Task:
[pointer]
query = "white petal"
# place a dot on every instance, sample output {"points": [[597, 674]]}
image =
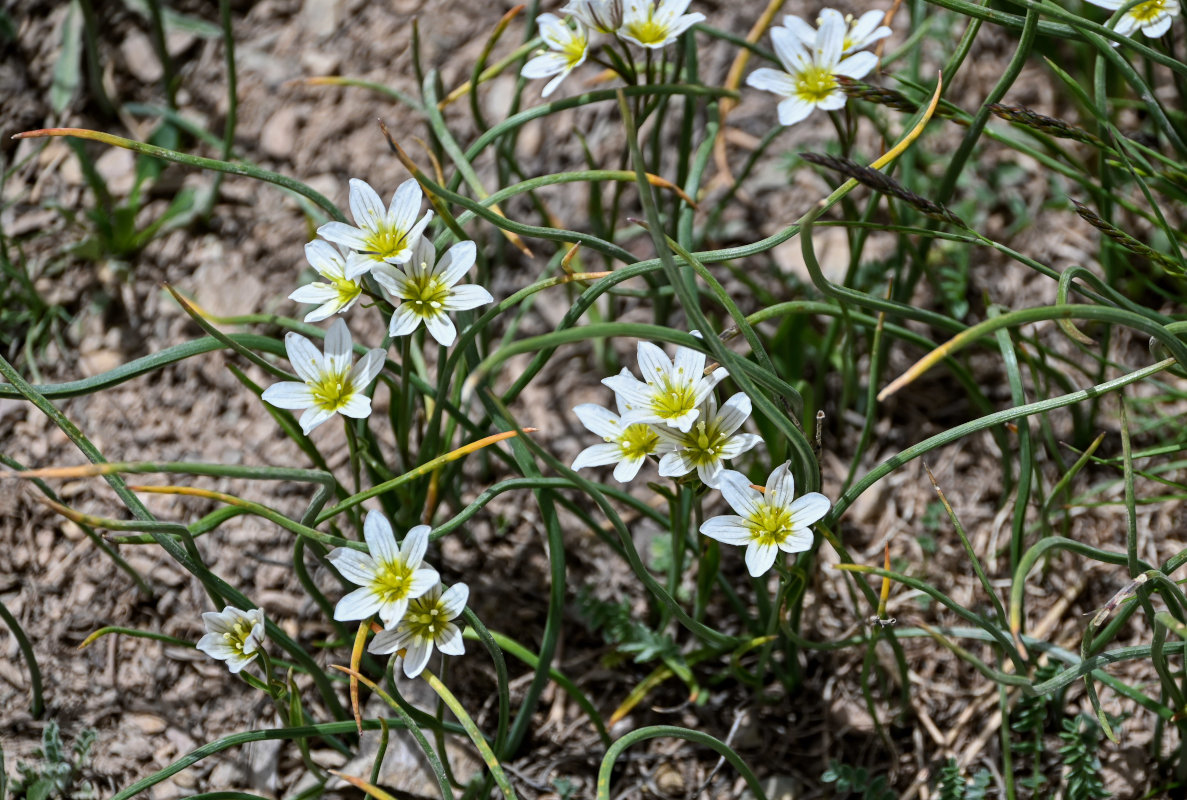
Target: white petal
{"points": [[781, 486], [760, 558], [453, 600], [599, 420], [359, 604], [689, 364], [653, 362], [856, 65], [304, 356], [415, 545], [727, 528], [1158, 28], [797, 542], [801, 28], [735, 487], [733, 413], [598, 455], [544, 65], [380, 538], [442, 329], [626, 470], [392, 279], [362, 373], [387, 641], [467, 296], [365, 205], [555, 83], [809, 509], [451, 642], [358, 264], [392, 611], [289, 394], [314, 293], [357, 567], [832, 101], [456, 262], [792, 52], [404, 322], [325, 258], [338, 347], [405, 206], [633, 391], [342, 233], [327, 310], [739, 444], [710, 473], [416, 657], [793, 110], [422, 581], [312, 418], [830, 37], [772, 80], [675, 464]]}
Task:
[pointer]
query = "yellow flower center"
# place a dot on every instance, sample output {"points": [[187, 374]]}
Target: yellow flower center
{"points": [[385, 241], [704, 443], [332, 391], [393, 581], [771, 525], [426, 293], [638, 441], [347, 290], [648, 31], [1149, 11], [427, 619], [816, 83], [574, 50], [237, 637]]}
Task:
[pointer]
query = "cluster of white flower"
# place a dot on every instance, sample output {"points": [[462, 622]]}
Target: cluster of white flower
{"points": [[814, 57], [673, 414], [417, 612], [233, 635], [646, 24], [390, 245]]}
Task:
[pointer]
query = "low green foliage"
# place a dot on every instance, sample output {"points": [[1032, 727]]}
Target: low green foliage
{"points": [[58, 772]]}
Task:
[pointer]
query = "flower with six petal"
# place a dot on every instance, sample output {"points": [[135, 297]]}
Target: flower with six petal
{"points": [[233, 635], [670, 392], [712, 440], [383, 235], [390, 575], [425, 287], [329, 384], [810, 81], [340, 293], [428, 622], [654, 27], [567, 49], [860, 33], [626, 446], [769, 521], [1152, 18], [603, 16]]}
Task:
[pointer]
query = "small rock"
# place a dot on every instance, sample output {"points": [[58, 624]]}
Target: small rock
{"points": [[279, 134], [140, 58], [316, 63], [149, 724], [117, 166], [320, 17]]}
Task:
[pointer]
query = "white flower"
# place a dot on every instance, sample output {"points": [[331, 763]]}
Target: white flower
{"points": [[770, 521], [428, 622], [233, 635], [390, 576], [670, 393], [861, 32], [330, 384], [712, 440], [567, 49], [426, 287], [383, 235], [1152, 18], [652, 27], [340, 293], [810, 80], [603, 16], [627, 446]]}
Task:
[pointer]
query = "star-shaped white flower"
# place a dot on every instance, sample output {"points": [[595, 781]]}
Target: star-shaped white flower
{"points": [[810, 81], [427, 623], [427, 291], [626, 445], [567, 49], [390, 575], [860, 32], [603, 16], [329, 384], [712, 440], [233, 635], [340, 293], [770, 521], [384, 236], [670, 392], [1153, 17], [654, 27]]}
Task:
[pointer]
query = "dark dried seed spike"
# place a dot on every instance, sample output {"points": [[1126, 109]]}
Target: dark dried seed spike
{"points": [[884, 184], [1125, 240], [1040, 122]]}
